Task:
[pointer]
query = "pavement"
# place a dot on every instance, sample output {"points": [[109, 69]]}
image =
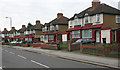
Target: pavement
{"points": [[90, 59]]}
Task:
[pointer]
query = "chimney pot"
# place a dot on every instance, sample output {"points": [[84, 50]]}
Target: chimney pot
{"points": [[13, 27], [37, 21], [95, 3], [23, 26], [5, 29], [59, 15]]}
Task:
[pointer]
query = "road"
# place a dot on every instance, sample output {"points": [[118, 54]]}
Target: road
{"points": [[16, 58]]}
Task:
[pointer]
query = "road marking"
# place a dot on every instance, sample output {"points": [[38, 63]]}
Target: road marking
{"points": [[6, 50], [40, 64], [1, 68], [22, 56], [11, 52]]}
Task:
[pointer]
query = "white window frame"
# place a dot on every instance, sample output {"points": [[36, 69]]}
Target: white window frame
{"points": [[57, 27], [117, 18], [86, 19], [51, 28], [45, 37], [76, 34], [51, 37], [97, 17], [85, 33], [70, 24]]}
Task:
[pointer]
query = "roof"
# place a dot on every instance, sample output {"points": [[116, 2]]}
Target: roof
{"points": [[13, 30], [35, 27], [57, 21], [102, 8], [5, 32], [22, 30]]}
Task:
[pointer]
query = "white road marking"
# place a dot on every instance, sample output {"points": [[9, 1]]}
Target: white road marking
{"points": [[1, 68], [6, 50], [11, 52], [40, 64], [22, 56]]}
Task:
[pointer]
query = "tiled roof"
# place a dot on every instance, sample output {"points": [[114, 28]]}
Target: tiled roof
{"points": [[35, 27], [13, 30], [102, 8], [60, 20], [5, 32], [22, 30]]}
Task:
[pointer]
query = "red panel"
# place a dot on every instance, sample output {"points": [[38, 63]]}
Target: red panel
{"points": [[118, 36]]}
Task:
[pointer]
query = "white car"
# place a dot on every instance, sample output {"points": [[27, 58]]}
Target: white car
{"points": [[13, 42]]}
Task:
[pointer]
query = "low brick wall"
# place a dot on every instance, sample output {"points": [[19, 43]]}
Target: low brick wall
{"points": [[105, 51]]}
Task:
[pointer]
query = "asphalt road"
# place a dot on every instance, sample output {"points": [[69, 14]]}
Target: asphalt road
{"points": [[16, 58]]}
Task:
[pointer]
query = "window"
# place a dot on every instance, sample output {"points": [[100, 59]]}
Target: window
{"points": [[70, 24], [89, 19], [34, 31], [51, 27], [86, 20], [76, 34], [45, 37], [87, 33], [51, 37], [45, 28], [97, 17], [118, 19], [75, 21], [56, 27]]}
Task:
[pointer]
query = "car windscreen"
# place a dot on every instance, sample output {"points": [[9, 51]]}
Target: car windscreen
{"points": [[79, 40]]}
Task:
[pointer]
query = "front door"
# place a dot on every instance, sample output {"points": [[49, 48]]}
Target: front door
{"points": [[97, 36]]}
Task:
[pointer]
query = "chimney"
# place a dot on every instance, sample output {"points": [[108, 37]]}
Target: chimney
{"points": [[13, 28], [95, 3], [23, 26], [59, 15], [5, 29], [37, 21]]}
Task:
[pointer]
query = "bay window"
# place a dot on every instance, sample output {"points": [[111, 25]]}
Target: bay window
{"points": [[118, 19], [76, 34], [87, 33], [45, 37], [51, 37]]}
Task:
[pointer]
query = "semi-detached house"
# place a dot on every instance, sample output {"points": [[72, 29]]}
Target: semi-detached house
{"points": [[100, 22], [33, 33], [53, 30]]}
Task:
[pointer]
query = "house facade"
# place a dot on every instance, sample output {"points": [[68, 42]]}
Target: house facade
{"points": [[19, 35], [100, 22], [33, 33], [5, 35], [53, 30]]}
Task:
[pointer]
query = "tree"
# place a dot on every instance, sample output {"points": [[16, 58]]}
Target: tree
{"points": [[29, 25]]}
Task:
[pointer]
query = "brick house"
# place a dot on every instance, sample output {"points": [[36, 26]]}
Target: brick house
{"points": [[33, 33], [100, 22], [12, 34], [19, 35], [53, 30], [5, 35]]}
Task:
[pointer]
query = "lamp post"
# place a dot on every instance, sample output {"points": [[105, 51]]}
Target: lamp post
{"points": [[10, 23]]}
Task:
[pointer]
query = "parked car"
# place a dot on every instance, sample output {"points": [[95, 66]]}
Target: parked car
{"points": [[13, 42], [83, 41], [20, 42]]}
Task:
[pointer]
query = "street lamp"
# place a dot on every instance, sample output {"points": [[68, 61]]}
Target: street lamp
{"points": [[10, 21]]}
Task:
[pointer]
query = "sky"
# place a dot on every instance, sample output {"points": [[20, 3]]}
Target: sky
{"points": [[25, 11]]}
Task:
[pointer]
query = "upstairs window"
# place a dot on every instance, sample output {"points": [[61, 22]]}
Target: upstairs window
{"points": [[56, 27], [45, 28], [97, 17], [118, 19], [70, 24], [86, 20], [51, 27]]}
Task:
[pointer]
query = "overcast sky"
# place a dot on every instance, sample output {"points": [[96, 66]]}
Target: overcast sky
{"points": [[25, 11]]}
